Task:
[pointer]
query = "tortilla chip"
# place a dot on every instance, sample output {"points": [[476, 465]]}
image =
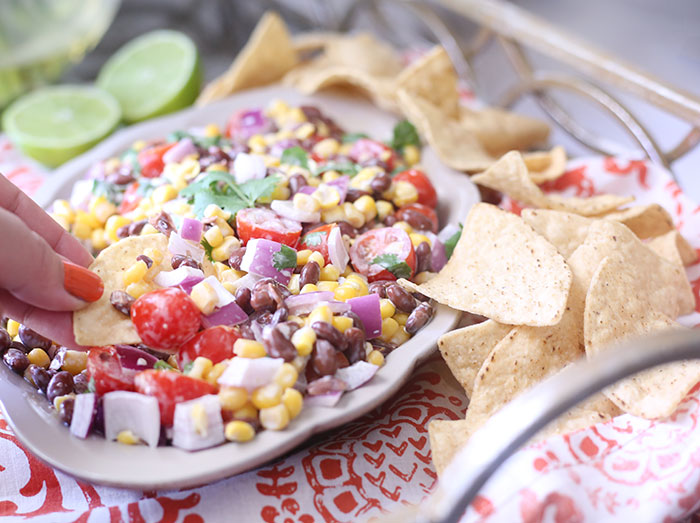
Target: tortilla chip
{"points": [[363, 52], [566, 231], [509, 175], [433, 78], [501, 131], [545, 166], [596, 409], [455, 145], [621, 305], [465, 350], [305, 43], [446, 437], [502, 269], [265, 59], [673, 247], [646, 221]]}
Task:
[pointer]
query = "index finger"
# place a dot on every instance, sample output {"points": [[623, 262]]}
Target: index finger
{"points": [[18, 203]]}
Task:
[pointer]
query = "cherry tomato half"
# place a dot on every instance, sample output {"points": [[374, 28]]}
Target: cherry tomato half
{"points": [[426, 211], [151, 159], [170, 388], [317, 240], [426, 191], [131, 198], [266, 223], [365, 149], [390, 243], [165, 318], [104, 367], [215, 343]]}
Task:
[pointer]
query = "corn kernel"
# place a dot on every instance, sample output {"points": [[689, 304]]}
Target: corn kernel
{"points": [[231, 275], [61, 220], [401, 318], [326, 148], [330, 273], [135, 273], [345, 293], [296, 319], [411, 155], [267, 396], [204, 297], [417, 239], [82, 231], [220, 269], [199, 419], [138, 289], [404, 226], [113, 224], [60, 399], [127, 437], [386, 308], [212, 130], [200, 367], [276, 108], [327, 286], [313, 182], [318, 258], [64, 209], [303, 340], [249, 348], [12, 328], [280, 193], [303, 256], [384, 209], [329, 176], [305, 202], [214, 211], [293, 285], [274, 418], [164, 193], [363, 179], [400, 337], [347, 271], [327, 196], [342, 323], [74, 361], [39, 357], [336, 214], [320, 313], [424, 276], [224, 251], [212, 377], [405, 193], [389, 328], [309, 287], [293, 401], [214, 236], [257, 143], [101, 208], [304, 131], [358, 281], [247, 411], [148, 229], [376, 358], [286, 376], [233, 398], [353, 216], [239, 431], [224, 226], [98, 240], [367, 206]]}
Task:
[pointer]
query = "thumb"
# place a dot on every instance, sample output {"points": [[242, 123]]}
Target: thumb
{"points": [[33, 273]]}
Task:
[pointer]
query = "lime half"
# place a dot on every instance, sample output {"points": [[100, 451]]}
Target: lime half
{"points": [[154, 74], [54, 124]]}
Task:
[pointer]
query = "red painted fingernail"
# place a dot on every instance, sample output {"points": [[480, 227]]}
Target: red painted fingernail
{"points": [[82, 283]]}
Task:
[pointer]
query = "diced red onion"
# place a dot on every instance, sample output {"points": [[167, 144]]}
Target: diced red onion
{"points": [[367, 308], [179, 151], [287, 209], [301, 304], [178, 245], [223, 296], [342, 185], [177, 277], [356, 374], [83, 414], [248, 281], [258, 259], [337, 251], [132, 411], [447, 232], [191, 229], [230, 314], [188, 283], [329, 399], [337, 307], [187, 436], [248, 167], [248, 122], [250, 373], [136, 359], [438, 256], [307, 189]]}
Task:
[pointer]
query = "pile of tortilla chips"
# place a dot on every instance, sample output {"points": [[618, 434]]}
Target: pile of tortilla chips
{"points": [[567, 278], [424, 92]]}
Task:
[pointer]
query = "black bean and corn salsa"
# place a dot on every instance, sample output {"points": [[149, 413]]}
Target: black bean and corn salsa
{"points": [[260, 277]]}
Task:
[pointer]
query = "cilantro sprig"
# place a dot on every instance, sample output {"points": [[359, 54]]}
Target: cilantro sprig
{"points": [[208, 248], [342, 167], [220, 188], [394, 265], [162, 365], [353, 137], [451, 242], [202, 141], [404, 134], [285, 258], [295, 156]]}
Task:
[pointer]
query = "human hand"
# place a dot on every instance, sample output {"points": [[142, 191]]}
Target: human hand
{"points": [[42, 268]]}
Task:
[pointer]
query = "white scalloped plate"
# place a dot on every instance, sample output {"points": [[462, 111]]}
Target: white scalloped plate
{"points": [[100, 461]]}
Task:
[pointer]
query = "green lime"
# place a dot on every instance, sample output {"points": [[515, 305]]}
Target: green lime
{"points": [[54, 124], [154, 74]]}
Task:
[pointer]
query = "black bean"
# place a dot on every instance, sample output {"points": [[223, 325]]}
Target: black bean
{"points": [[65, 411], [381, 183], [347, 230], [81, 382], [356, 345], [489, 195], [121, 301], [5, 340], [277, 345], [32, 339], [323, 358], [60, 385], [262, 299], [120, 177], [355, 194], [163, 223], [309, 274], [180, 260], [145, 259], [419, 317], [415, 219], [379, 287], [423, 257], [16, 360], [382, 346], [296, 182], [20, 346], [280, 315], [390, 220], [325, 385], [123, 232], [400, 298], [235, 259], [356, 321], [420, 297], [136, 227], [263, 317], [246, 331], [243, 299], [328, 332]]}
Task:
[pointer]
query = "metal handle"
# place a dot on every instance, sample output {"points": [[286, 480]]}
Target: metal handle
{"points": [[517, 422]]}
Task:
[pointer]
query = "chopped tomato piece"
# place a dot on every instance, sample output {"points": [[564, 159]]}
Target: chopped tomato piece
{"points": [[266, 223], [384, 254], [317, 240], [428, 212], [131, 199], [364, 150], [151, 159], [215, 343], [165, 318], [105, 369], [426, 191]]}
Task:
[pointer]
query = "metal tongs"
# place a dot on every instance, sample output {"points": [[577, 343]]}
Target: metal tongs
{"points": [[521, 419]]}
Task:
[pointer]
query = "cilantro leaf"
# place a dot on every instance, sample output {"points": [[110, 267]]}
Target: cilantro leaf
{"points": [[404, 134], [188, 367], [314, 239], [353, 137], [131, 158], [295, 156], [91, 384], [163, 365], [106, 189], [346, 168], [394, 265], [202, 141], [256, 189], [285, 258], [451, 242], [207, 249]]}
